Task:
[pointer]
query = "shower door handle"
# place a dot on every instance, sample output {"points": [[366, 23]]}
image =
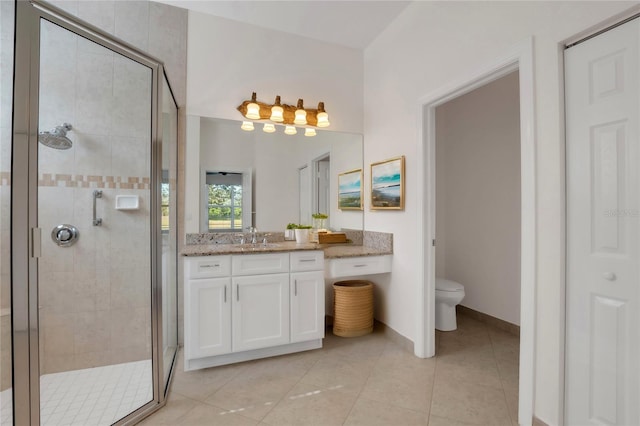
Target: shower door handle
{"points": [[97, 221]]}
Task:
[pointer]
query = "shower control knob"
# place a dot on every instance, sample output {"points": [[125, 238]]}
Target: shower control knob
{"points": [[65, 235]]}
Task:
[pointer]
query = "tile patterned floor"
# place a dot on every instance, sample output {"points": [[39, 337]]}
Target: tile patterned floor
{"points": [[367, 380], [92, 396]]}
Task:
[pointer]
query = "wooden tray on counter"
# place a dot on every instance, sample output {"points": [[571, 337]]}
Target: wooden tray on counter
{"points": [[332, 237]]}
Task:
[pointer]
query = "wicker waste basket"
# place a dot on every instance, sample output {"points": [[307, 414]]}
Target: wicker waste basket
{"points": [[353, 308]]}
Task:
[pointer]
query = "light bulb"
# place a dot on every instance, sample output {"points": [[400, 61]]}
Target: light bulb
{"points": [[322, 117], [301, 114], [309, 131], [253, 109], [290, 130], [247, 125], [277, 113], [269, 128]]}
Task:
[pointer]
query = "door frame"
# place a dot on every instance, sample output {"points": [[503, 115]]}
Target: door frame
{"points": [[315, 176], [309, 189], [520, 58]]}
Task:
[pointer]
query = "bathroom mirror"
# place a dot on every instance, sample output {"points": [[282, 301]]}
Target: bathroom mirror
{"points": [[286, 178]]}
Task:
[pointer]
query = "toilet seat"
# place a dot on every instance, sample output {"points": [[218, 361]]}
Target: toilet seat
{"points": [[448, 285]]}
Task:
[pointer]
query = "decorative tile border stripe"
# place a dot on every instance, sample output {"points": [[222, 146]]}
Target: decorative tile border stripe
{"points": [[92, 181]]}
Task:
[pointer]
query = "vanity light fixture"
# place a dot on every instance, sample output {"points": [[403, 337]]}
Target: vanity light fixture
{"points": [[253, 109], [290, 130], [247, 126], [322, 117], [277, 111], [285, 114], [301, 114], [268, 128], [309, 131]]}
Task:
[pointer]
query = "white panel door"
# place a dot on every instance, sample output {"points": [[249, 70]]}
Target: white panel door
{"points": [[260, 311], [208, 317], [307, 306], [602, 107]]}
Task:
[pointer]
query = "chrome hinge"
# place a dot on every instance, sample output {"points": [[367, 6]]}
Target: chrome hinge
{"points": [[433, 242]]}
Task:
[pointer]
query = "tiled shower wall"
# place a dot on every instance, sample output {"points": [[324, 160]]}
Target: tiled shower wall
{"points": [[95, 296]]}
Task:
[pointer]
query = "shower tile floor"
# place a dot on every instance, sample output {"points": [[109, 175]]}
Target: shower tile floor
{"points": [[93, 396], [367, 380]]}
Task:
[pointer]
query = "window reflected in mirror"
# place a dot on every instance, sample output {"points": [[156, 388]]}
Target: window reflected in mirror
{"points": [[227, 205]]}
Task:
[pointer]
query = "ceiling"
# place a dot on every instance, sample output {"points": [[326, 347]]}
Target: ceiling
{"points": [[348, 23]]}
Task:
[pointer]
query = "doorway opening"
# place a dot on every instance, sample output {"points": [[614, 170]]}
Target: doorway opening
{"points": [[520, 59], [477, 259]]}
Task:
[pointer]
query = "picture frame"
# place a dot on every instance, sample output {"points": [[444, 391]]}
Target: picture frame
{"points": [[350, 190], [387, 184]]}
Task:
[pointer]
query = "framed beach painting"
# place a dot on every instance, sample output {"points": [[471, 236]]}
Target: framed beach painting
{"points": [[387, 184], [350, 190]]}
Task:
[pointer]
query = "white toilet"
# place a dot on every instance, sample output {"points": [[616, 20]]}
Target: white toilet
{"points": [[448, 295]]}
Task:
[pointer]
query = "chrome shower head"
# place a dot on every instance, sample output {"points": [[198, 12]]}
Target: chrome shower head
{"points": [[57, 138]]}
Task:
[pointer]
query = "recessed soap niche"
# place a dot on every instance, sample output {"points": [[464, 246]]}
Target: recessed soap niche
{"points": [[127, 202]]}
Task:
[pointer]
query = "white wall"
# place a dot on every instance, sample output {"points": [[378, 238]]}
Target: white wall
{"points": [[432, 45], [274, 159], [478, 145], [227, 60]]}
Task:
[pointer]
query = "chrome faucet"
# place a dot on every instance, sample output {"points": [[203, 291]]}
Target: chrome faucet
{"points": [[254, 234]]}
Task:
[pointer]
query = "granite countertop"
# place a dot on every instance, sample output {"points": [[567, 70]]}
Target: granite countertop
{"points": [[331, 251]]}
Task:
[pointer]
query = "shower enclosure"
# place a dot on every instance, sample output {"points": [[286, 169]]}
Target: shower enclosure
{"points": [[93, 282]]}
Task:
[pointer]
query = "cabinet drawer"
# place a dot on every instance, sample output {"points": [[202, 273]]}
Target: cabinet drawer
{"points": [[352, 266], [302, 261], [208, 266], [257, 264]]}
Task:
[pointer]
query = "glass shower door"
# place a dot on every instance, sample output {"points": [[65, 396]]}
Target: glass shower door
{"points": [[7, 15], [95, 215]]}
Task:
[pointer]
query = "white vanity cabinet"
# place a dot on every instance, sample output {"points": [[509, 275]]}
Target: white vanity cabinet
{"points": [[307, 296], [207, 306], [260, 311], [266, 304], [355, 266]]}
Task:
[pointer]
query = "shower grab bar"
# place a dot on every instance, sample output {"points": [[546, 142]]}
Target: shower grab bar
{"points": [[97, 221]]}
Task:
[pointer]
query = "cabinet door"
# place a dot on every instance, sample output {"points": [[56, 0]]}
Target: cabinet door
{"points": [[207, 317], [260, 311], [307, 306]]}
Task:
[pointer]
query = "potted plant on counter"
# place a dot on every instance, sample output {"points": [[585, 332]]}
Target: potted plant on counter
{"points": [[319, 221], [289, 232], [302, 234]]}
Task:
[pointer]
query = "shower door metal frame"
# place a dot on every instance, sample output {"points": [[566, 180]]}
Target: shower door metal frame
{"points": [[25, 245]]}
